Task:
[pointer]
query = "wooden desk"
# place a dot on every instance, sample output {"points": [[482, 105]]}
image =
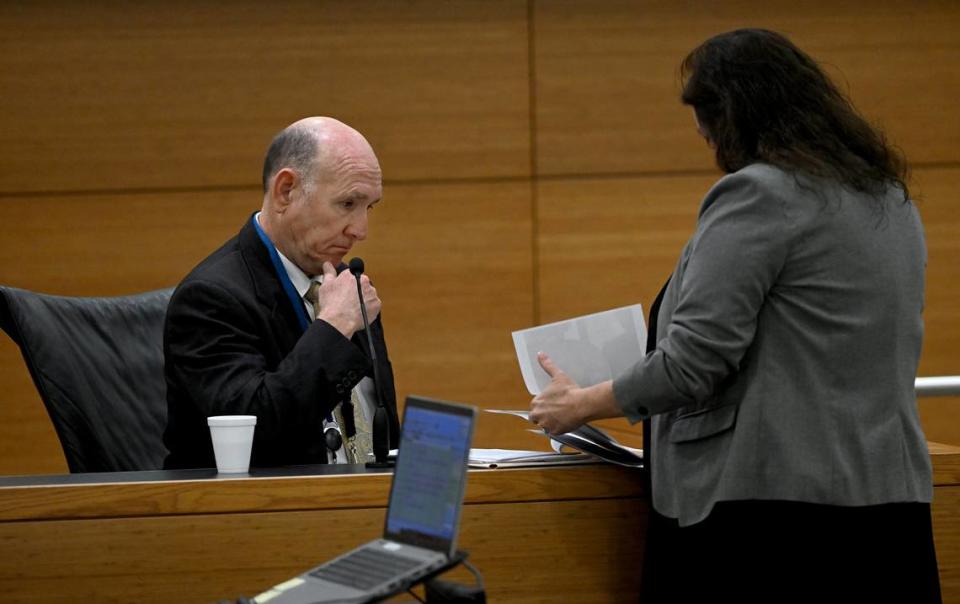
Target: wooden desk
{"points": [[188, 536]]}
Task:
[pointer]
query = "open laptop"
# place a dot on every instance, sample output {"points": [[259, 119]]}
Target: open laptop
{"points": [[423, 515]]}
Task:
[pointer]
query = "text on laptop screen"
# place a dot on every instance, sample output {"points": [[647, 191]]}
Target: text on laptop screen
{"points": [[427, 487]]}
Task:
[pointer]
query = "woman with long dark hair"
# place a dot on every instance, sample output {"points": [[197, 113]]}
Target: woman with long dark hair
{"points": [[787, 458]]}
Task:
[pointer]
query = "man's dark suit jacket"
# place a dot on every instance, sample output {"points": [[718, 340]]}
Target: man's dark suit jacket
{"points": [[233, 345]]}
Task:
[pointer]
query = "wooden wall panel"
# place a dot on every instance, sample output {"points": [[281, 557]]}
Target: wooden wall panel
{"points": [[198, 492], [611, 242], [28, 442], [946, 529], [115, 244], [607, 82], [106, 95], [937, 191], [940, 417], [451, 262]]}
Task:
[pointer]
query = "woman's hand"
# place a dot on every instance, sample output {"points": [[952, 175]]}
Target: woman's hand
{"points": [[557, 408], [564, 406]]}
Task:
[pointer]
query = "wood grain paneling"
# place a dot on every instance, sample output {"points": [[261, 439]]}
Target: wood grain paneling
{"points": [[946, 534], [106, 95], [946, 463], [206, 558], [115, 244], [528, 532], [532, 533], [28, 442], [607, 84], [605, 243], [156, 494], [937, 191], [940, 417], [451, 262]]}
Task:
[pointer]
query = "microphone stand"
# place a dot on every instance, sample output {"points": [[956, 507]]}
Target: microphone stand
{"points": [[380, 430]]}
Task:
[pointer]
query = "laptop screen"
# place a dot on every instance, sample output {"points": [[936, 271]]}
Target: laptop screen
{"points": [[431, 474]]}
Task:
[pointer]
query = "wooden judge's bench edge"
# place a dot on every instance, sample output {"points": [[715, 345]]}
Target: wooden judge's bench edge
{"points": [[131, 494], [220, 536]]}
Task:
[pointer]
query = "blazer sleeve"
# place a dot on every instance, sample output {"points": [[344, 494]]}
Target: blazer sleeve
{"points": [[219, 351], [731, 263]]}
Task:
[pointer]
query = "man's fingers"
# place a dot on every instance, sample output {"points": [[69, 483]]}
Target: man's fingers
{"points": [[329, 272]]}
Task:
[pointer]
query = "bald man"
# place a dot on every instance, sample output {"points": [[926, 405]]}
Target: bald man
{"points": [[245, 335]]}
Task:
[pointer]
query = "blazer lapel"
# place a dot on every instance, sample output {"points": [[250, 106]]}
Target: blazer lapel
{"points": [[268, 288]]}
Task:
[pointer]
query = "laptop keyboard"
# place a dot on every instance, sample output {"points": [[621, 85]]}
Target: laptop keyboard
{"points": [[365, 568]]}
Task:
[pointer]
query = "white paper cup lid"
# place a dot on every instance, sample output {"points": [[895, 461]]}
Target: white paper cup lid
{"points": [[232, 420]]}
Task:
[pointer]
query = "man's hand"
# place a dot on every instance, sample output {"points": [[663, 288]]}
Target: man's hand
{"points": [[339, 305], [564, 406]]}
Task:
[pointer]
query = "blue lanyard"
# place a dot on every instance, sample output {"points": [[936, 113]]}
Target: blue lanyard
{"points": [[288, 287], [285, 281]]}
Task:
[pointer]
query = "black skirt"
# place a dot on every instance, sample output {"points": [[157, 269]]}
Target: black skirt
{"points": [[781, 551]]}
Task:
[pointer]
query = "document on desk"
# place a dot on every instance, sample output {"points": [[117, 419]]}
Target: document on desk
{"points": [[513, 458], [589, 440], [590, 349]]}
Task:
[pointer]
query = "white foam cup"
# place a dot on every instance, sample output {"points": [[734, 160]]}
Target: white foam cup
{"points": [[232, 437]]}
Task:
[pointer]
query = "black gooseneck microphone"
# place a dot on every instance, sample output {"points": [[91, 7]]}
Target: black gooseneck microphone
{"points": [[380, 432]]}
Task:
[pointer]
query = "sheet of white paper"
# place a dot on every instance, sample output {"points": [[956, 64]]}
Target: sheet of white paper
{"points": [[492, 455], [561, 460], [511, 458], [590, 349], [587, 439], [524, 414]]}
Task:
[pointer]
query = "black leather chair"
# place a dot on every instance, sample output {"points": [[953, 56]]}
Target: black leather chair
{"points": [[98, 365]]}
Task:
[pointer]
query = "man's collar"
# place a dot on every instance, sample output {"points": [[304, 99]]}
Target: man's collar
{"points": [[299, 279]]}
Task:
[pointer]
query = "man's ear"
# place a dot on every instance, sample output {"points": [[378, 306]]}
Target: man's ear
{"points": [[281, 188]]}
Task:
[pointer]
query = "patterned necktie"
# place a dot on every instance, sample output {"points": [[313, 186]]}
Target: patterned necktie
{"points": [[359, 446]]}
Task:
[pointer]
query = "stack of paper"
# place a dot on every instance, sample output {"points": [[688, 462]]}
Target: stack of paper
{"points": [[511, 458], [591, 440]]}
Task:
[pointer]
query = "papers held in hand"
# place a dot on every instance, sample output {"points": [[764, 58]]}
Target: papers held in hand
{"points": [[590, 349], [586, 439]]}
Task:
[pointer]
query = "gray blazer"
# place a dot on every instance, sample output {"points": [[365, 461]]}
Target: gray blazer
{"points": [[787, 347]]}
